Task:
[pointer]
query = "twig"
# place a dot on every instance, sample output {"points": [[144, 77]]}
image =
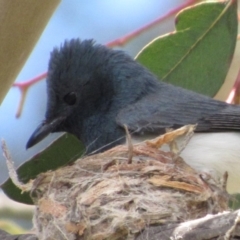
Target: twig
{"points": [[231, 231], [12, 172], [123, 40], [23, 87]]}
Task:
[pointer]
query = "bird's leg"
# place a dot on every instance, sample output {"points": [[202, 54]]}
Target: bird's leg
{"points": [[129, 143]]}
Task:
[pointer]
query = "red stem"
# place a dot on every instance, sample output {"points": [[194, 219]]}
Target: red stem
{"points": [[235, 93], [123, 40], [23, 86], [30, 82]]}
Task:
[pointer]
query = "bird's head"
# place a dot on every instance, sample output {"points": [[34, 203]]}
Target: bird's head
{"points": [[76, 83]]}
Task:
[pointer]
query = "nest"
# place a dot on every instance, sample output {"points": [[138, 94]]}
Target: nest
{"points": [[119, 193]]}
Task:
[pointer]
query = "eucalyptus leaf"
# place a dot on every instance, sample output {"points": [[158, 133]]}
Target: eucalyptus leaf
{"points": [[198, 54], [62, 151]]}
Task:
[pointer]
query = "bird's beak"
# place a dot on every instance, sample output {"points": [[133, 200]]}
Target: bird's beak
{"points": [[42, 131]]}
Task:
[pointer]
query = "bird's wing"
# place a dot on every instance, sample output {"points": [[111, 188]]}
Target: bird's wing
{"points": [[154, 113], [223, 120]]}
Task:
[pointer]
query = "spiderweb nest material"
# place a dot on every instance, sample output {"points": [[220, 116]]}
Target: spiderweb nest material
{"points": [[119, 193]]}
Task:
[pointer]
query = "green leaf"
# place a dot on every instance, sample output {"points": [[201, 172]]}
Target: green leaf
{"points": [[198, 55], [64, 150]]}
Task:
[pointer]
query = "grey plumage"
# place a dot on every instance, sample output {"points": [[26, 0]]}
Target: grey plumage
{"points": [[112, 90]]}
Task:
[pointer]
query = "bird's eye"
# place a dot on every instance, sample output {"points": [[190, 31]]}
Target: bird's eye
{"points": [[70, 98]]}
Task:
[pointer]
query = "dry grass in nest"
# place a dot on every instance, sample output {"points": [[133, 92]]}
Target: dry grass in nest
{"points": [[118, 193]]}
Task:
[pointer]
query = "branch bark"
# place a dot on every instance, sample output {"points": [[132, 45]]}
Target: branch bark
{"points": [[210, 227]]}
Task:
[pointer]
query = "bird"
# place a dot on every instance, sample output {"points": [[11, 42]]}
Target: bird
{"points": [[94, 91]]}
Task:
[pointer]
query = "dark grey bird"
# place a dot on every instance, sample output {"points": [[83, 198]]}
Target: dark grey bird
{"points": [[93, 91]]}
